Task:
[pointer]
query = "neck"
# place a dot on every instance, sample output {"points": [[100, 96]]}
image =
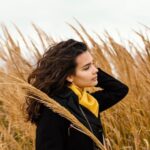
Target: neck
{"points": [[80, 89]]}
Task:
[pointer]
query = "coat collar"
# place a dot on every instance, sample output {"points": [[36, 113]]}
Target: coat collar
{"points": [[69, 99]]}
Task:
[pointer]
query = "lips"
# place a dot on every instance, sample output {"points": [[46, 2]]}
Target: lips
{"points": [[94, 78]]}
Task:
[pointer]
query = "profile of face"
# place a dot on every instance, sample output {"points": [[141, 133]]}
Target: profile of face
{"points": [[86, 71]]}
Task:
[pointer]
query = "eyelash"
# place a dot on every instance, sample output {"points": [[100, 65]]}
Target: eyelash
{"points": [[88, 66]]}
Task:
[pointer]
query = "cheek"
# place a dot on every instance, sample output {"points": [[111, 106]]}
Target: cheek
{"points": [[84, 77]]}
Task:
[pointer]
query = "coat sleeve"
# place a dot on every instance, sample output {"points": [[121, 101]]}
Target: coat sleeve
{"points": [[113, 90], [50, 131]]}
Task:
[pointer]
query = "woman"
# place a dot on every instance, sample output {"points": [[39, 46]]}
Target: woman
{"points": [[63, 73]]}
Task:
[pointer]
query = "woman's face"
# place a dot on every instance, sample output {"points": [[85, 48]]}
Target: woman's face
{"points": [[85, 71]]}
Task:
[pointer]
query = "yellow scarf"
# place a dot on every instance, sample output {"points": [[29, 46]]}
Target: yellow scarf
{"points": [[86, 99]]}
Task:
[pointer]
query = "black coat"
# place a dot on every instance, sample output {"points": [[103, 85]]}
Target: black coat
{"points": [[54, 132]]}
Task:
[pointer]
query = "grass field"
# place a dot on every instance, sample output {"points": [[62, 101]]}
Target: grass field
{"points": [[126, 125]]}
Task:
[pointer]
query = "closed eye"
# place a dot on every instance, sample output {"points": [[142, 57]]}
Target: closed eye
{"points": [[89, 66]]}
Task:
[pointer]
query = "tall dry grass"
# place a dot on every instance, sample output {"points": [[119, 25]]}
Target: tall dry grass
{"points": [[126, 125]]}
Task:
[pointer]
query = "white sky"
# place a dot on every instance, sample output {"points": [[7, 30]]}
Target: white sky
{"points": [[94, 15]]}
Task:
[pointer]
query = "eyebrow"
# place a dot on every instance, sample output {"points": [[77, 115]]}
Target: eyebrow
{"points": [[87, 64]]}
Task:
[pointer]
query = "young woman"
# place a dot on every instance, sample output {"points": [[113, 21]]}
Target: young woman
{"points": [[63, 73]]}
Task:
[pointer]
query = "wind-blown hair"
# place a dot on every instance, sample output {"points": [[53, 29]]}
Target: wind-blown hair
{"points": [[51, 72]]}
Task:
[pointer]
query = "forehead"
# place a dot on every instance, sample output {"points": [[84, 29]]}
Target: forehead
{"points": [[83, 59]]}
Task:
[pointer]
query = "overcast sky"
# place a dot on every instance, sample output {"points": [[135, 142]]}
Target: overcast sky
{"points": [[94, 15]]}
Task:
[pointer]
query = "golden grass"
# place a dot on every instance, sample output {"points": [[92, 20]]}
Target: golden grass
{"points": [[126, 125]]}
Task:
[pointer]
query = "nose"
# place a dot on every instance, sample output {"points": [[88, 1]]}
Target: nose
{"points": [[95, 70]]}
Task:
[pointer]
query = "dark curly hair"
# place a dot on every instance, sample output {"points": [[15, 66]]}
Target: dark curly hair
{"points": [[51, 72]]}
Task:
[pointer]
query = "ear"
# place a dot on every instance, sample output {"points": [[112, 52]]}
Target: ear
{"points": [[70, 78]]}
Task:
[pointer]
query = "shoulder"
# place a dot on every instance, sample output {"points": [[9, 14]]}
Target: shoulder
{"points": [[49, 115]]}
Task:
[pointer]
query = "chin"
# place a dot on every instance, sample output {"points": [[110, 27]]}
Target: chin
{"points": [[92, 84], [95, 83]]}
